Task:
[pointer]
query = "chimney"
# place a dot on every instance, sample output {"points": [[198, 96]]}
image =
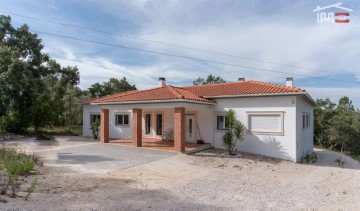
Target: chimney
{"points": [[241, 79], [162, 82], [289, 81]]}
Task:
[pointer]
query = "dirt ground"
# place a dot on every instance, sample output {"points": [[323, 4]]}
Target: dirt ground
{"points": [[202, 181]]}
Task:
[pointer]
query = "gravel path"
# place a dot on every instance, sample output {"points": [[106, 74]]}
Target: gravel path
{"points": [[202, 181]]}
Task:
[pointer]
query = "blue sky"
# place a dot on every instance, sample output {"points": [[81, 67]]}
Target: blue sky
{"points": [[281, 31]]}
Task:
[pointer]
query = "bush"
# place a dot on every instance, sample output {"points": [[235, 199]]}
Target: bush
{"points": [[309, 157], [19, 167], [95, 128], [234, 133]]}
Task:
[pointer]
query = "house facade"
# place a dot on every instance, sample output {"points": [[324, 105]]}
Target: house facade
{"points": [[278, 119]]}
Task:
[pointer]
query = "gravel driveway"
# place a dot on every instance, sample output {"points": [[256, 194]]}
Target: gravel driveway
{"points": [[99, 158], [207, 180]]}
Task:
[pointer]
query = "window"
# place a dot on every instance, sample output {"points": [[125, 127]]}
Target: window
{"points": [[147, 123], [306, 120], [190, 128], [271, 123], [121, 119], [159, 126], [222, 122], [94, 117]]}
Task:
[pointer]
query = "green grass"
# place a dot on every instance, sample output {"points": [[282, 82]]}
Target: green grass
{"points": [[75, 130], [16, 163]]}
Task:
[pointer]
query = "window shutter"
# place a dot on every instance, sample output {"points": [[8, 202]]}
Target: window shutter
{"points": [[265, 123]]}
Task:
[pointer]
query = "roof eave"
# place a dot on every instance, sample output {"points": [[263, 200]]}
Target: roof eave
{"points": [[155, 101], [264, 95]]}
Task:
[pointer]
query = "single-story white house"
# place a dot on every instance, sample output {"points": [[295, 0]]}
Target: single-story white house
{"points": [[278, 118]]}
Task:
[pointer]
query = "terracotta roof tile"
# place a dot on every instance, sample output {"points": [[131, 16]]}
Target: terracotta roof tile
{"points": [[240, 88], [159, 93], [196, 93]]}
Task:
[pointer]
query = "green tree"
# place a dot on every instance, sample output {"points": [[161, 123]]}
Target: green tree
{"points": [[45, 111], [34, 89], [21, 72], [343, 133], [209, 80], [337, 126], [234, 133], [324, 112], [112, 86], [72, 106]]}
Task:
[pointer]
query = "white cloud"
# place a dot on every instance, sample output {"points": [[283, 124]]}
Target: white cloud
{"points": [[275, 31], [335, 93]]}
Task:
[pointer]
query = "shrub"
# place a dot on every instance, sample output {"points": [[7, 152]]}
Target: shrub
{"points": [[309, 157], [234, 133], [19, 167], [340, 162], [95, 128], [32, 188]]}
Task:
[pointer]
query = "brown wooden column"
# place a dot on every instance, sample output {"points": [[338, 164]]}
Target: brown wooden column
{"points": [[179, 129], [137, 127], [104, 126]]}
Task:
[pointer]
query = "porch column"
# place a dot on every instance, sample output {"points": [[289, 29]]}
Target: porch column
{"points": [[179, 129], [104, 126], [137, 127]]}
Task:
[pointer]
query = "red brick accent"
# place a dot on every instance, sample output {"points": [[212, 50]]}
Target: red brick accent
{"points": [[104, 126], [137, 127], [179, 129]]}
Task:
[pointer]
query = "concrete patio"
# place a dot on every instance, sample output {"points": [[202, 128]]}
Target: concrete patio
{"points": [[159, 144]]}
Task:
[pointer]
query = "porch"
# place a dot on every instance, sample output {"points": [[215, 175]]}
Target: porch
{"points": [[158, 144], [146, 124]]}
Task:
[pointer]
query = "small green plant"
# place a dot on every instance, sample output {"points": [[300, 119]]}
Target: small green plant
{"points": [[2, 199], [95, 128], [3, 183], [12, 182], [309, 157], [341, 162], [234, 133], [32, 188], [19, 167]]}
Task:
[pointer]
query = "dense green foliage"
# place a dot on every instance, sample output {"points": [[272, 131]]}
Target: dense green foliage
{"points": [[209, 80], [234, 133], [95, 129], [110, 87], [34, 89], [337, 126]]}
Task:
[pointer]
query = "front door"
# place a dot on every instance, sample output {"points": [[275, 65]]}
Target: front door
{"points": [[190, 128]]}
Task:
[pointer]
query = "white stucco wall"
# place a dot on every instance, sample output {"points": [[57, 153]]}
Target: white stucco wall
{"points": [[281, 146], [304, 137], [119, 131], [87, 110], [204, 119], [291, 145]]}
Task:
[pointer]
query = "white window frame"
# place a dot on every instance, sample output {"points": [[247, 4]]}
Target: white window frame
{"points": [[151, 119], [123, 124], [224, 123], [156, 124], [265, 113], [306, 123]]}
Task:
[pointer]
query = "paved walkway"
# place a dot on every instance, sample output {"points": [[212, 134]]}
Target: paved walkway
{"points": [[98, 158]]}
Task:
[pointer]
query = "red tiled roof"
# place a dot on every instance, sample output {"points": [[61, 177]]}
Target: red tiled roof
{"points": [[196, 93], [240, 88], [159, 93]]}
